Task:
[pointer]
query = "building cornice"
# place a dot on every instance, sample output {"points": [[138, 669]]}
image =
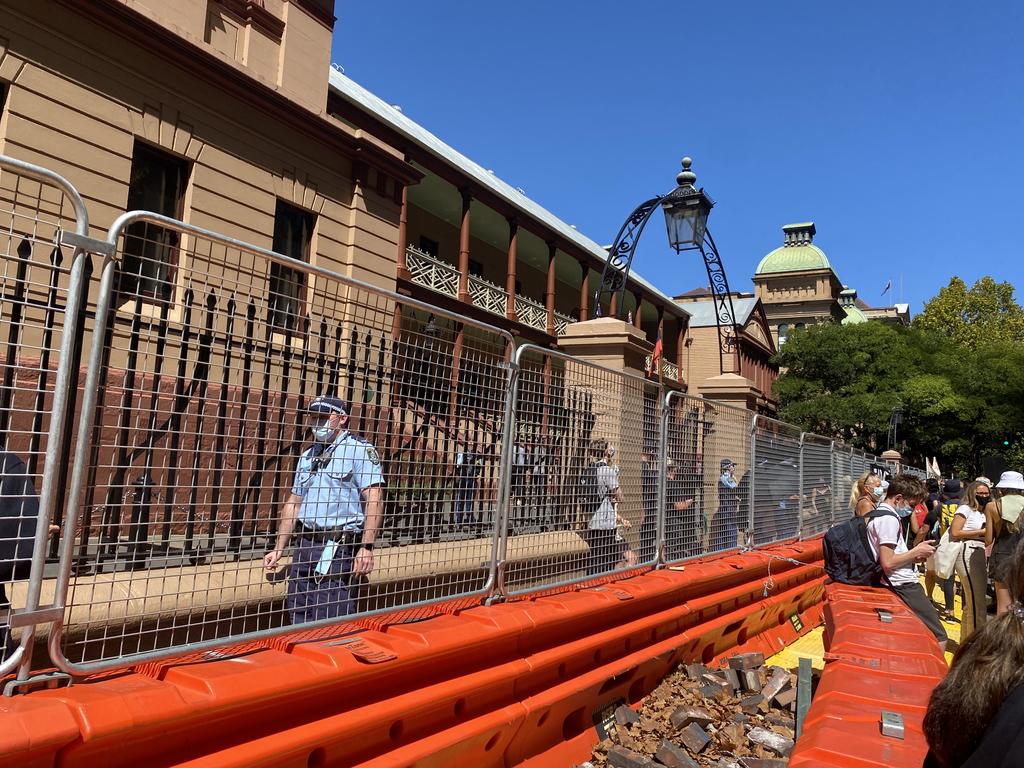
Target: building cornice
{"points": [[177, 50]]}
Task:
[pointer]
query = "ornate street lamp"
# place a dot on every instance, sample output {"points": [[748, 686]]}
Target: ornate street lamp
{"points": [[686, 210]]}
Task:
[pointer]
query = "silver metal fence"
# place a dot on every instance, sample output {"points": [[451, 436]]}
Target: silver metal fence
{"points": [[776, 497], [586, 448], [817, 491], [707, 477], [196, 455], [43, 225], [480, 470]]}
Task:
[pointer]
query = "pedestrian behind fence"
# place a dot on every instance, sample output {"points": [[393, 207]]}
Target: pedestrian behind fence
{"points": [[599, 494], [19, 513], [334, 510], [724, 526]]}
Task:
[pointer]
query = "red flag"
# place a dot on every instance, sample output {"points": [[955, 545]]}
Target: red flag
{"points": [[655, 357]]}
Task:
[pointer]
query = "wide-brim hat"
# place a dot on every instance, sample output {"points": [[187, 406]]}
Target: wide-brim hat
{"points": [[952, 489], [328, 405], [1011, 481]]}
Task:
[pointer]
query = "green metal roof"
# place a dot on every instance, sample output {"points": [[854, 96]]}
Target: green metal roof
{"points": [[793, 258], [853, 316]]}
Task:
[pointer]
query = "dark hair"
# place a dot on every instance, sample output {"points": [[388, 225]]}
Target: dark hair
{"points": [[598, 446], [907, 486], [987, 667]]}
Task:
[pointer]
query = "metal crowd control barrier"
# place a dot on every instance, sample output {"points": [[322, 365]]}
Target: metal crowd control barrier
{"points": [[817, 490], [707, 477], [580, 432], [776, 499], [203, 357], [43, 227], [194, 418]]}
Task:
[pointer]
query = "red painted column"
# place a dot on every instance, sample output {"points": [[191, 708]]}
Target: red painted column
{"points": [[464, 248], [403, 235], [636, 314], [584, 290], [549, 293], [510, 279]]}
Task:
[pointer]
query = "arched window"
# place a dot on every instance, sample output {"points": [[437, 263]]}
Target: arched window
{"points": [[783, 332]]}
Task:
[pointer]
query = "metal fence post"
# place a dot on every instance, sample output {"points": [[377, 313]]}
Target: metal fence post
{"points": [[800, 491], [496, 586], [65, 380], [835, 483], [659, 541], [751, 489]]}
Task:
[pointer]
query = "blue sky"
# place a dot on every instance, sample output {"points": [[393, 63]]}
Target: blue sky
{"points": [[897, 127]]}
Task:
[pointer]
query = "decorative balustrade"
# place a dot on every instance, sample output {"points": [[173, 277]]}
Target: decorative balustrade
{"points": [[531, 313], [427, 271], [668, 370], [430, 272]]}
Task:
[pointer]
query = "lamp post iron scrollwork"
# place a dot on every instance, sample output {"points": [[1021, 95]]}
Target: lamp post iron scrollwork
{"points": [[686, 210]]}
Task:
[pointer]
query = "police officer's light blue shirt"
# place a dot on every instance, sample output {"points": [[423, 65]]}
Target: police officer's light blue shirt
{"points": [[331, 496]]}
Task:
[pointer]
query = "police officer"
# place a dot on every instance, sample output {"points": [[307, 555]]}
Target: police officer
{"points": [[335, 512]]}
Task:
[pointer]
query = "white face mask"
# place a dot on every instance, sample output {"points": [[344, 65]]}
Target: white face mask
{"points": [[877, 491], [323, 433]]}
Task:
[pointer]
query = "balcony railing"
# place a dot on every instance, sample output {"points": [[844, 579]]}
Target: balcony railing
{"points": [[669, 370], [432, 273]]}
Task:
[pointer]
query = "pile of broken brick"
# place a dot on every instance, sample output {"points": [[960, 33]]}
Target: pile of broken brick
{"points": [[740, 716]]}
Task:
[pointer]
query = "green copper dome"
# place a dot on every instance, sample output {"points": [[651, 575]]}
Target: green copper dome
{"points": [[797, 253], [854, 316]]}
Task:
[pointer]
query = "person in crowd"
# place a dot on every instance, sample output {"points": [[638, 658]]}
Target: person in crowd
{"points": [[19, 514], [896, 560], [975, 717], [1002, 532], [724, 525], [865, 493], [939, 522], [969, 527], [334, 510], [603, 549], [468, 465], [539, 484], [649, 498], [683, 529]]}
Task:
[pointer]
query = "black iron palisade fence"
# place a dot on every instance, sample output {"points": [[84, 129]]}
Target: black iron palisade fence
{"points": [[160, 417]]}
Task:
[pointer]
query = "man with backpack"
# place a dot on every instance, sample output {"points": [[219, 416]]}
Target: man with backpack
{"points": [[890, 547], [871, 551]]}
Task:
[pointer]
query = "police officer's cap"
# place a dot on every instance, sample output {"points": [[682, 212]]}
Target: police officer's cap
{"points": [[329, 405]]}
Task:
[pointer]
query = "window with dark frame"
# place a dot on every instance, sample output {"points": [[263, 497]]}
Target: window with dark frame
{"points": [[157, 184], [293, 235], [476, 269]]}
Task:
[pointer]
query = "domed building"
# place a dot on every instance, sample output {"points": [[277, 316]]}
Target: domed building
{"points": [[797, 285]]}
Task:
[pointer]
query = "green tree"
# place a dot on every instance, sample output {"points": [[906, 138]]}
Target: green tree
{"points": [[981, 315]]}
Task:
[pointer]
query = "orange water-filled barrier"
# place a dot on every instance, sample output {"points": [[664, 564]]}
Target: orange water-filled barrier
{"points": [[518, 683], [881, 666]]}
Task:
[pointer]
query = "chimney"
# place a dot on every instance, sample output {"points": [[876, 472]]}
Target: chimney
{"points": [[798, 234], [848, 297]]}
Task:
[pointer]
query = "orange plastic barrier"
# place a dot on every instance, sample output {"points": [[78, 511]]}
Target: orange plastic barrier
{"points": [[517, 683], [873, 666]]}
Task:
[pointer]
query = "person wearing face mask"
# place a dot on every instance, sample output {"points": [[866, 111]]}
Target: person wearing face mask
{"points": [[885, 536], [865, 494], [335, 511], [968, 526]]}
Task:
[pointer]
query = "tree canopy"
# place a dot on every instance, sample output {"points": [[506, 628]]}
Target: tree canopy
{"points": [[958, 375]]}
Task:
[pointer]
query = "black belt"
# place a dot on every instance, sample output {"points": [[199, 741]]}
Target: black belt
{"points": [[317, 534]]}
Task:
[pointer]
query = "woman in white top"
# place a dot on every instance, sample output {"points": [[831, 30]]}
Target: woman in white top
{"points": [[969, 527]]}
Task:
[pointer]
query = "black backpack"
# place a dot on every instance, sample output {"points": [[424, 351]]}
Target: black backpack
{"points": [[848, 555], [590, 491]]}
